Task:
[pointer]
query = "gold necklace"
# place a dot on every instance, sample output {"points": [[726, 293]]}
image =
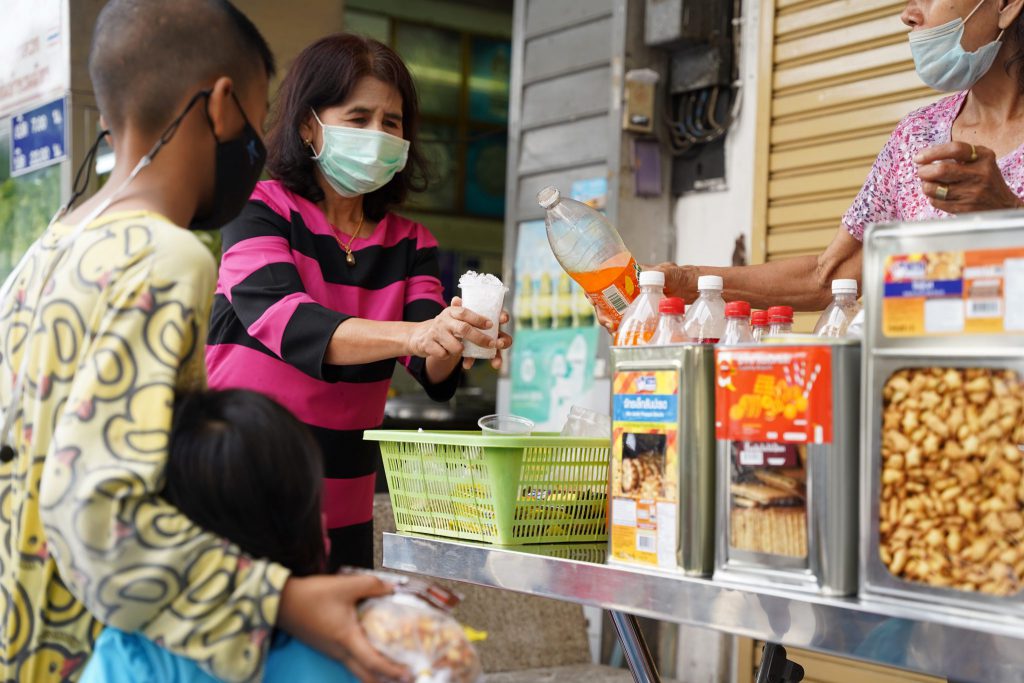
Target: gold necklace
{"points": [[350, 258]]}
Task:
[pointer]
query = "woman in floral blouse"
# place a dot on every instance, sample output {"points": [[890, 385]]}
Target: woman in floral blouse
{"points": [[959, 155]]}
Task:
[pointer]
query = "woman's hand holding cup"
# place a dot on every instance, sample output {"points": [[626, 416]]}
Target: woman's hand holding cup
{"points": [[442, 336]]}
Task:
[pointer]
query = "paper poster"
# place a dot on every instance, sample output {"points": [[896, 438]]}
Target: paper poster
{"points": [[954, 293], [545, 296], [35, 58], [593, 192], [552, 370], [645, 468]]}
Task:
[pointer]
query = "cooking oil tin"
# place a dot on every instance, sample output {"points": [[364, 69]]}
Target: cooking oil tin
{"points": [[663, 458], [787, 424], [943, 458]]}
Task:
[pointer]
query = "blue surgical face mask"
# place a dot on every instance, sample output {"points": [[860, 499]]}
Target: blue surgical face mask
{"points": [[355, 161], [941, 61]]}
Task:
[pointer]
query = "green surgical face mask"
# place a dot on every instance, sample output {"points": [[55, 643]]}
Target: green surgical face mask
{"points": [[356, 161]]}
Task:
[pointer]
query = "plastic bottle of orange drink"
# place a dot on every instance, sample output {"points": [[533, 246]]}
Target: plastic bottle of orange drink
{"points": [[641, 318], [591, 252]]}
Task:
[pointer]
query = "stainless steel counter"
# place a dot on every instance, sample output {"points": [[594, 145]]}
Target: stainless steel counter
{"points": [[960, 645]]}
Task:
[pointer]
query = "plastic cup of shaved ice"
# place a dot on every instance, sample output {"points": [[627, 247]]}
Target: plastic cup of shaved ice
{"points": [[484, 294]]}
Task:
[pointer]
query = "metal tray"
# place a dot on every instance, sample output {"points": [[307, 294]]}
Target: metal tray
{"points": [[876, 577]]}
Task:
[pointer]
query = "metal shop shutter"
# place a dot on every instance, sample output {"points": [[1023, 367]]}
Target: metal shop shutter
{"points": [[837, 76]]}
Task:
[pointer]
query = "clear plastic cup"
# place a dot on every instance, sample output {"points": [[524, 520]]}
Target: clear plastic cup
{"points": [[505, 424], [483, 294]]}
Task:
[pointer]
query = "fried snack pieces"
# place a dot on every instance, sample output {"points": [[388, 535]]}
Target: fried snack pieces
{"points": [[951, 511]]}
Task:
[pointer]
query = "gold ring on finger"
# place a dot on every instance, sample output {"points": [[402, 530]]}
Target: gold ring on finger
{"points": [[974, 154], [941, 192]]}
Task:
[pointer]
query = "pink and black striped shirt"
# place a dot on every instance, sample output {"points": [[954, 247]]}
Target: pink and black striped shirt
{"points": [[284, 288]]}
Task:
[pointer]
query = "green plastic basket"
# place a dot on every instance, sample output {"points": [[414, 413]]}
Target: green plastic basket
{"points": [[507, 490], [594, 553]]}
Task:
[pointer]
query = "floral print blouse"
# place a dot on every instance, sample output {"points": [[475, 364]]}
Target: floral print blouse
{"points": [[893, 191]]}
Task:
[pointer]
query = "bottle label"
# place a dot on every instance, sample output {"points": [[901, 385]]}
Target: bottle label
{"points": [[612, 299]]}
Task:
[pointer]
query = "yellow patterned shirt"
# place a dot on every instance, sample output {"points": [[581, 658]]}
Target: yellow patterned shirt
{"points": [[86, 538]]}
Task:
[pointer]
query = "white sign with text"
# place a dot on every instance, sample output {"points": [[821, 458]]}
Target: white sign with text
{"points": [[34, 53]]}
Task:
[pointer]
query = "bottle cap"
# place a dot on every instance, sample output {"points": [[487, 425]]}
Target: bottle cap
{"points": [[782, 314], [710, 282], [844, 286], [759, 318], [737, 309], [549, 197], [652, 278], [672, 305]]}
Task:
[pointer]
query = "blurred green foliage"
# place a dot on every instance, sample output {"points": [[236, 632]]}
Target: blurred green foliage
{"points": [[26, 205]]}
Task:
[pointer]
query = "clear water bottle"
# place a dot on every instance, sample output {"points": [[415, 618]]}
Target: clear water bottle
{"points": [[591, 251], [705, 319], [759, 325], [671, 329], [780, 320], [641, 318], [855, 330], [841, 312], [737, 324]]}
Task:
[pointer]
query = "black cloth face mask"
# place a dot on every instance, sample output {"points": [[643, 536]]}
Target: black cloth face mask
{"points": [[238, 165]]}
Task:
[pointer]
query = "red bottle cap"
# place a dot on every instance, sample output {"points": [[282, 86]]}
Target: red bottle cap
{"points": [[737, 309], [672, 305], [782, 314], [759, 318]]}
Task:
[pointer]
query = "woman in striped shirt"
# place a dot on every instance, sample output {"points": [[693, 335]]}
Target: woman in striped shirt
{"points": [[322, 288]]}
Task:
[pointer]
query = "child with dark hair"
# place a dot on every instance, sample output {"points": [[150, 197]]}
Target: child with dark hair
{"points": [[100, 323], [244, 468]]}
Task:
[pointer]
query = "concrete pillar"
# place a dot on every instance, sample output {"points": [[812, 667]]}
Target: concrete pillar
{"points": [[291, 26]]}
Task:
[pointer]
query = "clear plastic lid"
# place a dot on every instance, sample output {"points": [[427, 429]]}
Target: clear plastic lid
{"points": [[652, 278], [844, 286], [549, 197], [705, 282]]}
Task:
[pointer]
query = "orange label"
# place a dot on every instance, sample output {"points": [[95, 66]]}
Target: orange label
{"points": [[611, 290], [781, 395], [638, 541]]}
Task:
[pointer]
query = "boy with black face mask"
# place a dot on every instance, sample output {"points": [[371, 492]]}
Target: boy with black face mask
{"points": [[100, 323]]}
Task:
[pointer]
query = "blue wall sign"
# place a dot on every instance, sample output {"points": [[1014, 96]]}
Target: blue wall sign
{"points": [[38, 138]]}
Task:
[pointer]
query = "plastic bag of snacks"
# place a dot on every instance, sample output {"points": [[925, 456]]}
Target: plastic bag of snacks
{"points": [[414, 627]]}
